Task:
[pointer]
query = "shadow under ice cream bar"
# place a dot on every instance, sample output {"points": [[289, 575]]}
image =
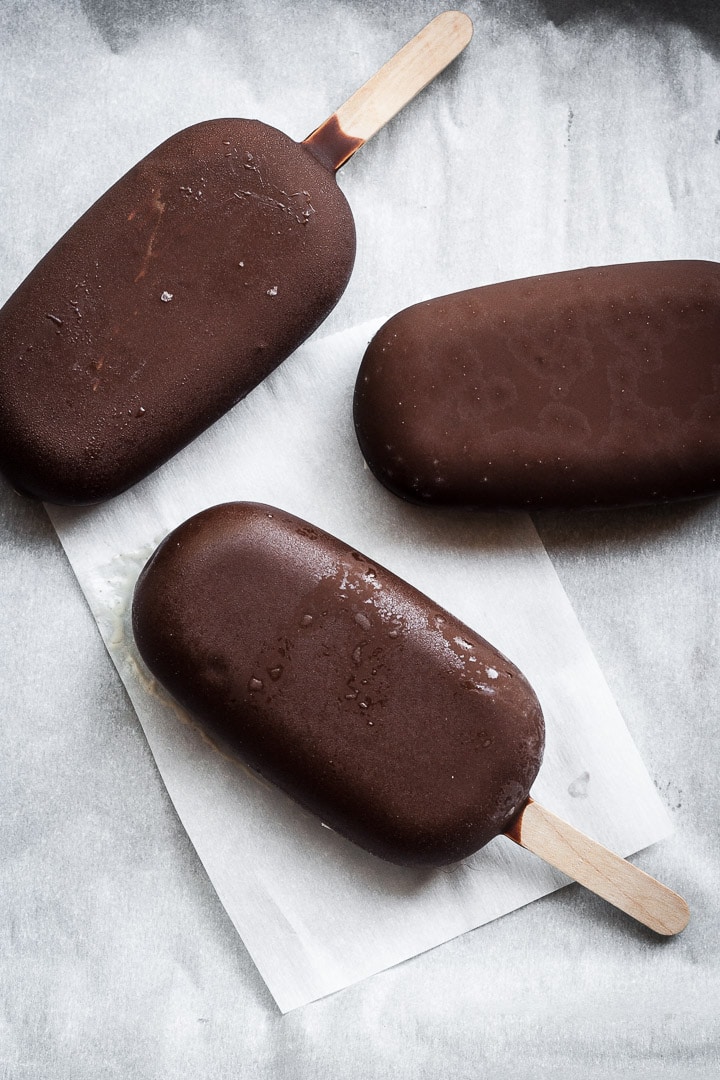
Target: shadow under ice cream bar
{"points": [[377, 710], [177, 292], [594, 387]]}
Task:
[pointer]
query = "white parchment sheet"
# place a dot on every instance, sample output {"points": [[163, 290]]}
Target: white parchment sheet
{"points": [[316, 913]]}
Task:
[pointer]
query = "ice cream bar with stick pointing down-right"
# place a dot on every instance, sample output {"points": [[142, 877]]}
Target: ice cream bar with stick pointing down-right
{"points": [[374, 708]]}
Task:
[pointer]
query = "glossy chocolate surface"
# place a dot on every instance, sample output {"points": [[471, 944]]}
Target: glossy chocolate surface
{"points": [[366, 702], [175, 294], [595, 387]]}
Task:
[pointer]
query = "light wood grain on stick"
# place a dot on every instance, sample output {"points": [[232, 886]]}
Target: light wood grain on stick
{"points": [[405, 75], [600, 870], [391, 88]]}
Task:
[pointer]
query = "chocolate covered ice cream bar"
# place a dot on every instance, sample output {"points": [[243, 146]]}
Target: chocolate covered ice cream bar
{"points": [[376, 709], [369, 704], [594, 387], [184, 286]]}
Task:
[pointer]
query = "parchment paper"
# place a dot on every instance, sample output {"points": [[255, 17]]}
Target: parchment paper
{"points": [[315, 913]]}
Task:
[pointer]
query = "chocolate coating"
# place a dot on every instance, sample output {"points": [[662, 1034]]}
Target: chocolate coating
{"points": [[366, 702], [174, 295], [595, 387]]}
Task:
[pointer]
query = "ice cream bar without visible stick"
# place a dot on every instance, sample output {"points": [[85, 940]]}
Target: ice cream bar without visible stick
{"points": [[184, 286], [375, 709], [586, 388]]}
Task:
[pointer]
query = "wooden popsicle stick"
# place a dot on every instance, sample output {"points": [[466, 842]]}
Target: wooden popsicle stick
{"points": [[600, 870], [391, 88]]}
